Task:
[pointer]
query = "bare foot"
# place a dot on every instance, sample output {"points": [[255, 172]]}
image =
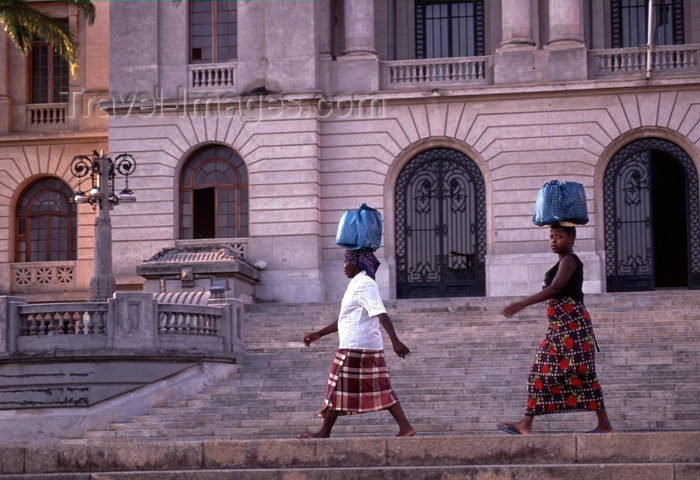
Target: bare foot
{"points": [[307, 436], [409, 433]]}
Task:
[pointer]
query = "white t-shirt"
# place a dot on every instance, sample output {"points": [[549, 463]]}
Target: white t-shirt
{"points": [[358, 324]]}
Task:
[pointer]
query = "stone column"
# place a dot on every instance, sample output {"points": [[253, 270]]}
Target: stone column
{"points": [[516, 24], [358, 66], [565, 22], [102, 284], [516, 58], [567, 58], [359, 27]]}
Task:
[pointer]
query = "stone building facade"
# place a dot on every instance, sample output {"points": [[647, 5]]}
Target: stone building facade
{"points": [[255, 125]]}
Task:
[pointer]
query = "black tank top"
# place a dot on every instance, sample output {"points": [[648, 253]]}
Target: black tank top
{"points": [[574, 287]]}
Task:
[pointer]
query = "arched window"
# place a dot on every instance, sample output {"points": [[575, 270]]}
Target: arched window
{"points": [[46, 223], [214, 195]]}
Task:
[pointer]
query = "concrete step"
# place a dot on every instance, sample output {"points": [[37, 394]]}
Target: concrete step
{"points": [[619, 456]]}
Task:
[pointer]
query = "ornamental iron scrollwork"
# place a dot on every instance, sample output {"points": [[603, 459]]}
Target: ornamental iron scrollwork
{"points": [[440, 226]]}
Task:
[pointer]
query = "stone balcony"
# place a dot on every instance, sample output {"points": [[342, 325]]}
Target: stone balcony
{"points": [[78, 354], [435, 73], [624, 62]]}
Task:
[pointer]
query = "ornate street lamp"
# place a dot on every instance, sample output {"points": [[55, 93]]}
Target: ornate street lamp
{"points": [[101, 171]]}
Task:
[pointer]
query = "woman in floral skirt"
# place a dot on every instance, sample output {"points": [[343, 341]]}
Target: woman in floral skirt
{"points": [[562, 377]]}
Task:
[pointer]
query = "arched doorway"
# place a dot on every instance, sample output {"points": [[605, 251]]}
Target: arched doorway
{"points": [[652, 219], [440, 226]]}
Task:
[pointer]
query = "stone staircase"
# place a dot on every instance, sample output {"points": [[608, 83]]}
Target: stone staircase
{"points": [[467, 371]]}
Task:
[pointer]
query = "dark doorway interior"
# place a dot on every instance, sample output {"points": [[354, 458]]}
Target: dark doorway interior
{"points": [[670, 232], [203, 213]]}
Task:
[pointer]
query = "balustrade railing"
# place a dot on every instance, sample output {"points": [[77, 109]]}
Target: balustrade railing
{"points": [[63, 319], [434, 71], [668, 58], [188, 319], [124, 325], [46, 113], [212, 76]]}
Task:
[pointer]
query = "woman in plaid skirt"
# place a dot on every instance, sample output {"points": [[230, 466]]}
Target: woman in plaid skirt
{"points": [[359, 380], [562, 377]]}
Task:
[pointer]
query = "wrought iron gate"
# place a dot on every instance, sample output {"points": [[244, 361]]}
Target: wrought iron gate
{"points": [[440, 226], [629, 215]]}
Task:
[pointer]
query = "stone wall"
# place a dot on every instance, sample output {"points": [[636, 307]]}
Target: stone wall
{"points": [[320, 131]]}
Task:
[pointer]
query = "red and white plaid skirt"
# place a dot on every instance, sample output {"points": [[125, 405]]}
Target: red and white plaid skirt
{"points": [[358, 383]]}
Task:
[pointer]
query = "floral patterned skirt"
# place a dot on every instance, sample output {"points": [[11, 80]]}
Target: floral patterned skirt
{"points": [[563, 377]]}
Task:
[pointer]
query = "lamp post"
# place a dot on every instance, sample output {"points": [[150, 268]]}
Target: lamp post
{"points": [[101, 171]]}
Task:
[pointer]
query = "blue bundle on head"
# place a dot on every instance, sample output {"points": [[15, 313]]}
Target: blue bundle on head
{"points": [[561, 202], [360, 229]]}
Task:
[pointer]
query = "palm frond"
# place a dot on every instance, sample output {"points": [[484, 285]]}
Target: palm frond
{"points": [[23, 24], [87, 7]]}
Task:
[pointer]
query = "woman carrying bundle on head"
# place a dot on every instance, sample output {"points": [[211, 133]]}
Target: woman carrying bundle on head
{"points": [[562, 377], [359, 380]]}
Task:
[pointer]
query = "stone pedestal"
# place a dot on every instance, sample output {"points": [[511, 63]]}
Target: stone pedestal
{"points": [[135, 325], [8, 327], [519, 66], [357, 74]]}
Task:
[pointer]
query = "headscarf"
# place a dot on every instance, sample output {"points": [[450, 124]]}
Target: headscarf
{"points": [[364, 259]]}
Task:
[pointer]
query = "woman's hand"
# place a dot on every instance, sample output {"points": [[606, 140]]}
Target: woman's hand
{"points": [[400, 349], [310, 338], [512, 309]]}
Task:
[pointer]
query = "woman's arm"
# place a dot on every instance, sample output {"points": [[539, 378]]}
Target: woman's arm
{"points": [[567, 267], [399, 347]]}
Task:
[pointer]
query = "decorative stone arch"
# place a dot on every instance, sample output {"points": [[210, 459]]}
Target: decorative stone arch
{"points": [[402, 160], [631, 147]]}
